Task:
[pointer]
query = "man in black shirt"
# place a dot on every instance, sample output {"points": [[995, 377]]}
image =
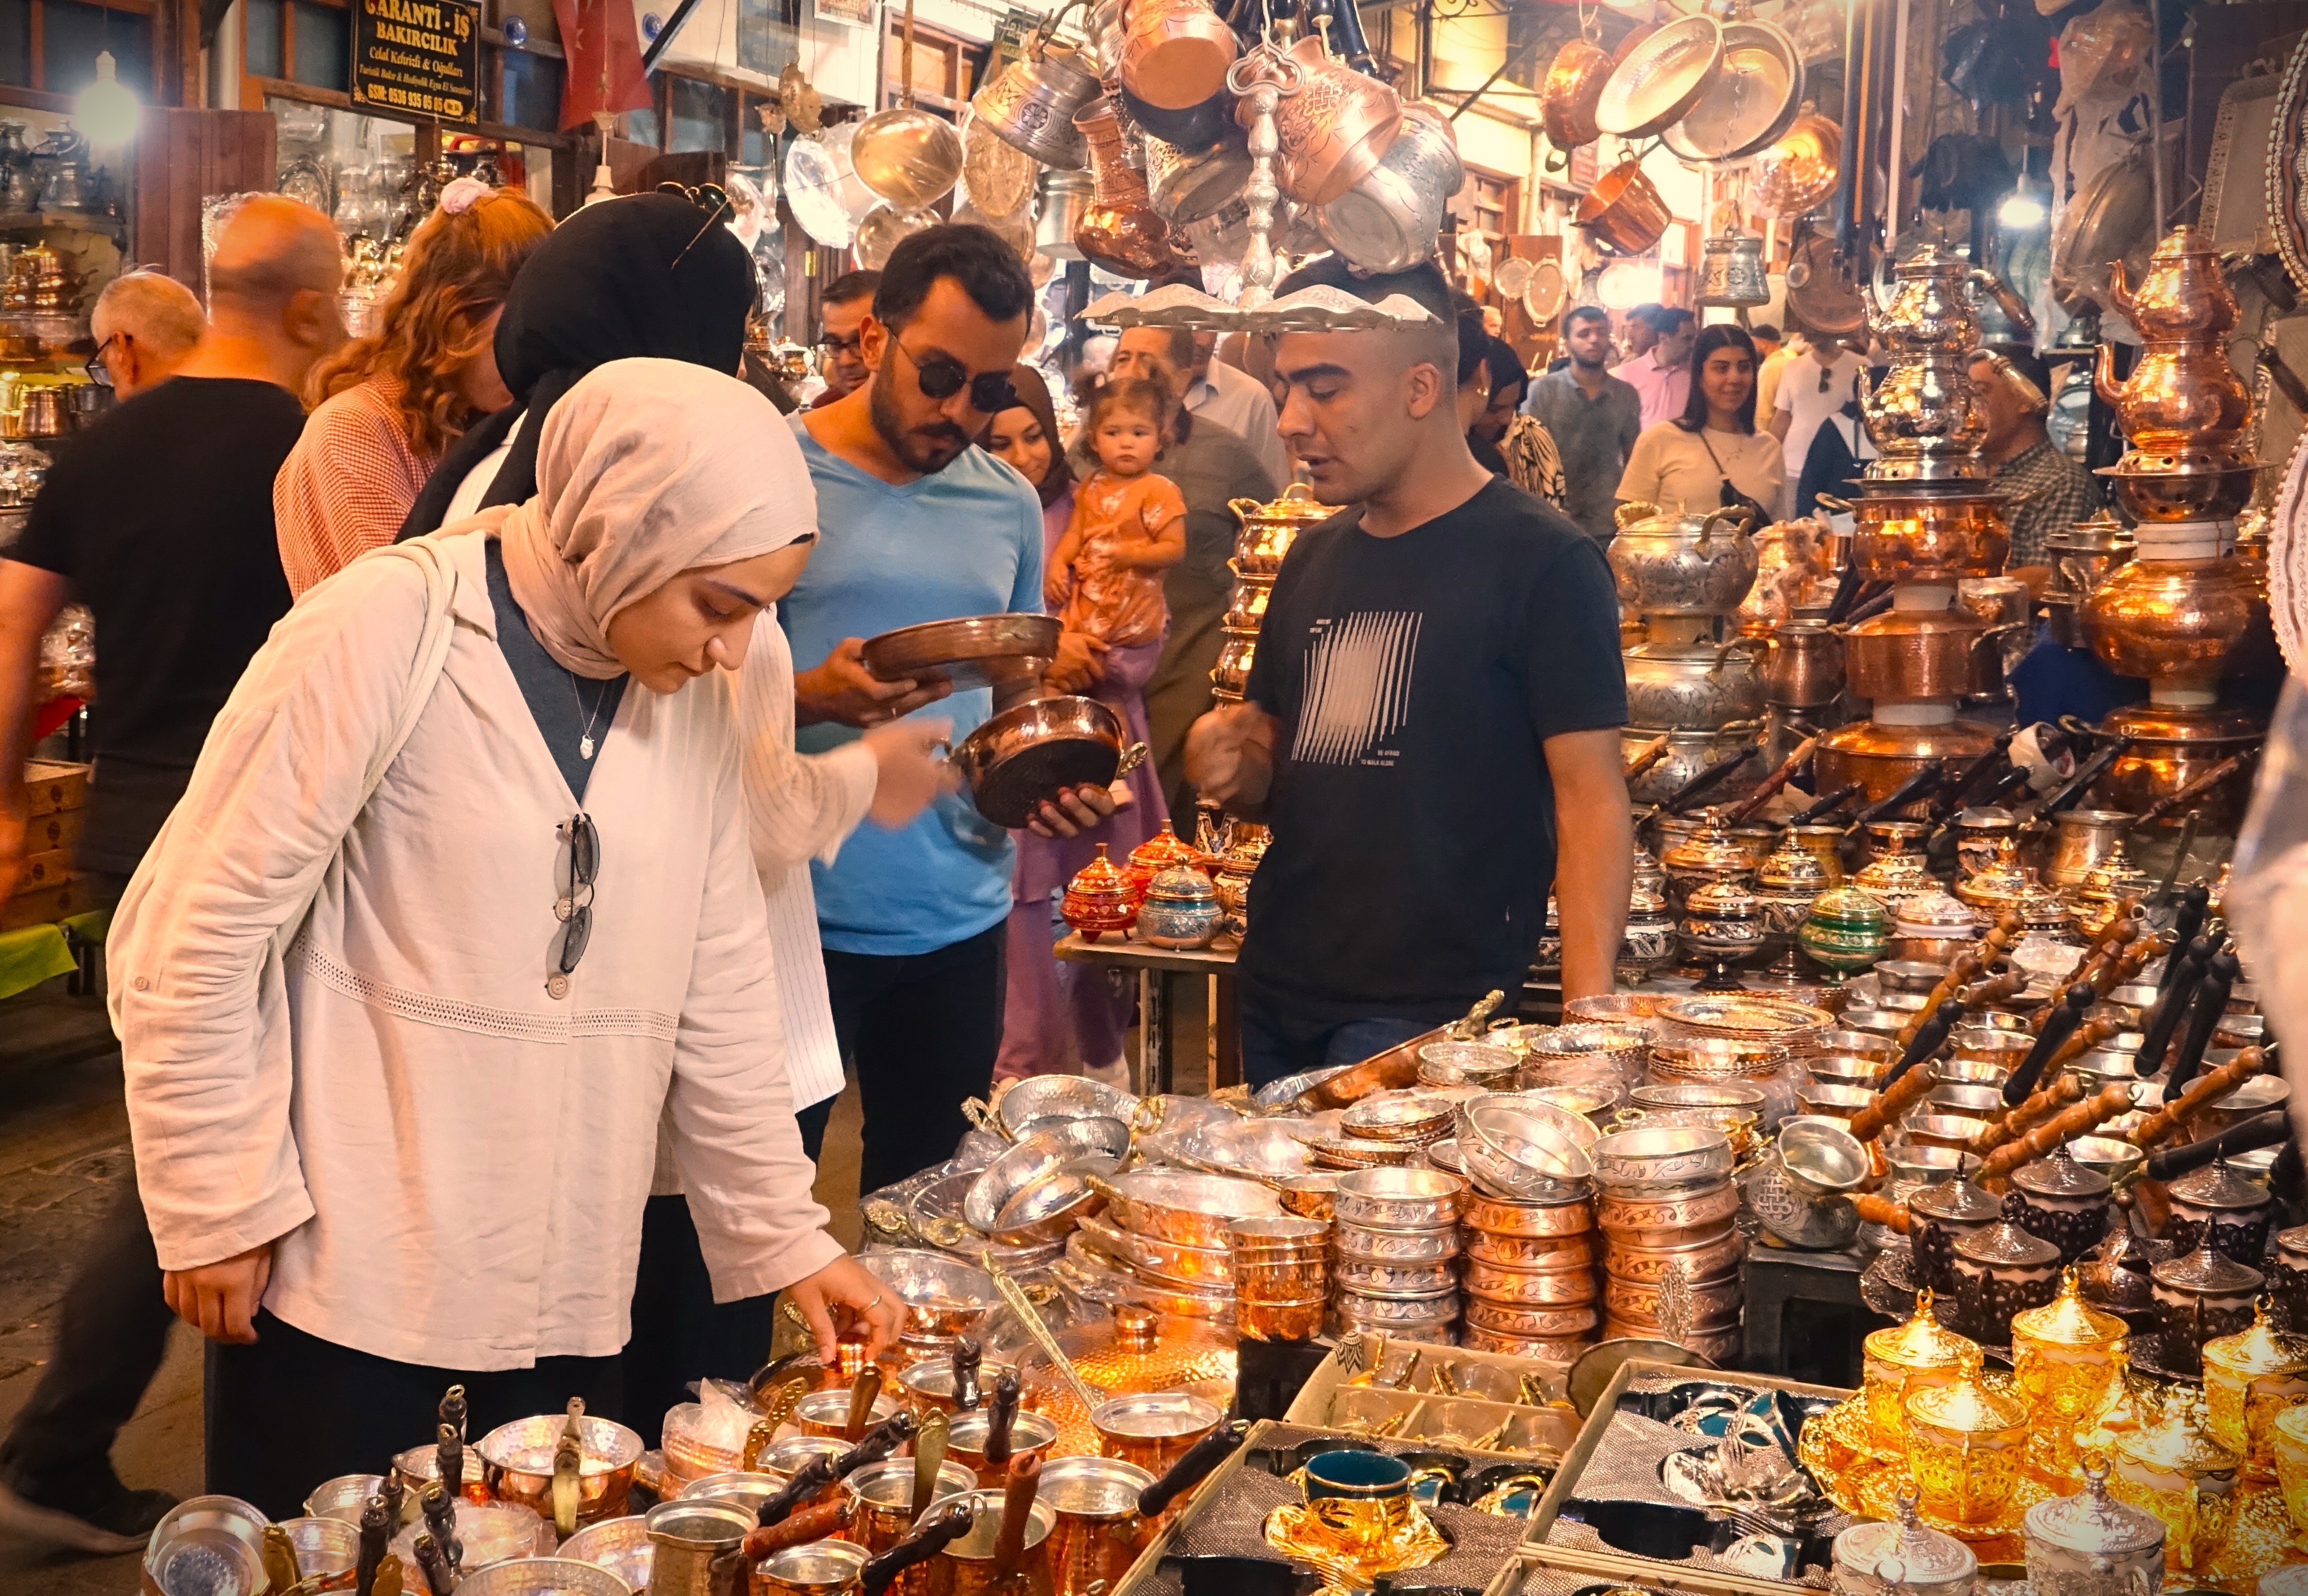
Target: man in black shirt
{"points": [[1432, 721], [160, 521]]}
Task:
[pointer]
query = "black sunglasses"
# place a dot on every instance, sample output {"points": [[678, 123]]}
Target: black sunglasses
{"points": [[576, 910], [941, 376]]}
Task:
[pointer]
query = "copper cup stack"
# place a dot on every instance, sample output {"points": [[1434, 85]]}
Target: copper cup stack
{"points": [[1395, 1249], [1282, 1276], [1671, 1254], [1928, 518], [1530, 1281], [1268, 530]]}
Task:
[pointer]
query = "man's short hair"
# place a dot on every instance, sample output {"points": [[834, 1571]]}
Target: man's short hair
{"points": [[1667, 321], [1766, 331], [1584, 312], [1474, 342], [850, 286], [271, 248], [1177, 343], [1648, 315], [987, 269], [1423, 284], [151, 307]]}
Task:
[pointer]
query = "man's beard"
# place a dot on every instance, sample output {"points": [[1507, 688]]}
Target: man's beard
{"points": [[925, 449]]}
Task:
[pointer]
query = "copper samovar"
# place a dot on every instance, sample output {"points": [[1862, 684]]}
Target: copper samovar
{"points": [[2184, 409], [1926, 517]]}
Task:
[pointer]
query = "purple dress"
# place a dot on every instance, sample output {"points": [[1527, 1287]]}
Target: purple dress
{"points": [[1057, 1018]]}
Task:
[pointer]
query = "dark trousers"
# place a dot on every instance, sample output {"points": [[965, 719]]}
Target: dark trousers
{"points": [[920, 1032], [680, 1333], [112, 1329], [1282, 1037], [291, 1410]]}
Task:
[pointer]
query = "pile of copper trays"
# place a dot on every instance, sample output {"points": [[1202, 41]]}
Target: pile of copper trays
{"points": [[1667, 1210], [1395, 1252], [1529, 1276]]}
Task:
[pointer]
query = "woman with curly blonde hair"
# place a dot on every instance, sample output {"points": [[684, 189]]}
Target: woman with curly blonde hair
{"points": [[387, 407]]}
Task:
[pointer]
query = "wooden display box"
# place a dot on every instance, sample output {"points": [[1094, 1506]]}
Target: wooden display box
{"points": [[44, 906], [1554, 1427], [54, 787], [56, 832]]}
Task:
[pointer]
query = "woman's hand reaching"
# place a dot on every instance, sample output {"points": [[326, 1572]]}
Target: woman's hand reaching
{"points": [[842, 1297], [910, 776]]}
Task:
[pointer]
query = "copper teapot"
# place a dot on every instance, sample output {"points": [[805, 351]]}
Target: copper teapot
{"points": [[2184, 400], [1930, 311]]}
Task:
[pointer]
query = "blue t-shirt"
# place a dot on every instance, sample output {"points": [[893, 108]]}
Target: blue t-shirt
{"points": [[965, 540]]}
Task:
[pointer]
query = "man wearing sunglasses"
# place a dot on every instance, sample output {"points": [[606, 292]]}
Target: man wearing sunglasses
{"points": [[917, 524]]}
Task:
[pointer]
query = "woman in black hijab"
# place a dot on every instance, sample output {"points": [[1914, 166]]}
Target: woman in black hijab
{"points": [[644, 275]]}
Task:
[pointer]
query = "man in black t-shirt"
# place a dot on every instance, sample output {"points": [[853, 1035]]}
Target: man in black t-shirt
{"points": [[160, 521], [1432, 719]]}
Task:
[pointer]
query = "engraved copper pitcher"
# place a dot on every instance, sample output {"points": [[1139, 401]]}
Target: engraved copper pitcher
{"points": [[1332, 132], [1121, 231], [1031, 106]]}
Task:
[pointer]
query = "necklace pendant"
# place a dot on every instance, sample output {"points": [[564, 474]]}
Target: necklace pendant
{"points": [[585, 746]]}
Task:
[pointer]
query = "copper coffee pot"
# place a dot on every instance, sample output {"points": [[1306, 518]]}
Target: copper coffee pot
{"points": [[1121, 231]]}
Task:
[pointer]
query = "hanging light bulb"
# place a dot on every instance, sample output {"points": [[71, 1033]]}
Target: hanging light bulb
{"points": [[2021, 209], [106, 109]]}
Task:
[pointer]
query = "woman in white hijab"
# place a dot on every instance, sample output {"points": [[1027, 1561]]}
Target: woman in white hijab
{"points": [[397, 1046]]}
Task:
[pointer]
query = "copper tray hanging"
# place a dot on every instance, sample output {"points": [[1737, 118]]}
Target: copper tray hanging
{"points": [[1574, 81], [1654, 84], [2287, 148], [1821, 292], [1749, 101], [976, 651]]}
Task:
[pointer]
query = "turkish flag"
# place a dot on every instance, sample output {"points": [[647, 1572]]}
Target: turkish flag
{"points": [[604, 48]]}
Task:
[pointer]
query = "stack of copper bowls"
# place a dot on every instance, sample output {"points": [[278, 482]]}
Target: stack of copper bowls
{"points": [[1928, 517], [1282, 1276], [1395, 1247], [1671, 1251], [1529, 1276], [1268, 530]]}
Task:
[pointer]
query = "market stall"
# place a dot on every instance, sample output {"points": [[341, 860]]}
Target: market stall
{"points": [[1922, 1012]]}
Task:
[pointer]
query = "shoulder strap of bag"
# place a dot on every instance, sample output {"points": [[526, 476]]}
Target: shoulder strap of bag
{"points": [[425, 669]]}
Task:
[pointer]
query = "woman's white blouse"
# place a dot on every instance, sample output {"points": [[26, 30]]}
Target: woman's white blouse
{"points": [[452, 1161]]}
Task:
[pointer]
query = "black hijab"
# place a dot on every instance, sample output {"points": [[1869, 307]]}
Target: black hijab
{"points": [[611, 283]]}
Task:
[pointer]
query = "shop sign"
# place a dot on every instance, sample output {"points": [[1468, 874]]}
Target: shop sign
{"points": [[858, 13], [418, 57]]}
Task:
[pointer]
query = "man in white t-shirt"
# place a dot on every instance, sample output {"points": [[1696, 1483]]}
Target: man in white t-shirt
{"points": [[1812, 386]]}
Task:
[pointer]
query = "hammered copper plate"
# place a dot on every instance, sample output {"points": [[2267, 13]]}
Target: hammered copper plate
{"points": [[976, 651], [1660, 79], [1748, 102]]}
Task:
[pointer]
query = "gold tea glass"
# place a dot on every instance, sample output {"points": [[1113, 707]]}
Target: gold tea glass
{"points": [[2063, 1360], [1967, 1442], [2249, 1378], [1907, 1357], [2288, 1440]]}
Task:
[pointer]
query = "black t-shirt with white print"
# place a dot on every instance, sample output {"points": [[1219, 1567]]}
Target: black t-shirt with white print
{"points": [[1414, 678]]}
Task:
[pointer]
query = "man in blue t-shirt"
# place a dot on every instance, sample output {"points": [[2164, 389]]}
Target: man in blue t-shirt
{"points": [[918, 524]]}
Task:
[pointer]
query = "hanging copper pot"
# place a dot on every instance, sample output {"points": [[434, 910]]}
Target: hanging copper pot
{"points": [[1332, 132], [1175, 52], [1624, 211], [1566, 99], [1121, 231]]}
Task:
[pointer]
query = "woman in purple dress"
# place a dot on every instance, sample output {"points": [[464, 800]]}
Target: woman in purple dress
{"points": [[1067, 1019]]}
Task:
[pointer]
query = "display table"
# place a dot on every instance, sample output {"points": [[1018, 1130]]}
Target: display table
{"points": [[1805, 1316], [1162, 976]]}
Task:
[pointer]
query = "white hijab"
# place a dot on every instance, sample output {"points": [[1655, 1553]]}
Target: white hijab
{"points": [[644, 470]]}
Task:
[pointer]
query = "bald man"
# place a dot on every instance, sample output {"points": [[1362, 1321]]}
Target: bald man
{"points": [[146, 326], [1432, 724], [161, 520]]}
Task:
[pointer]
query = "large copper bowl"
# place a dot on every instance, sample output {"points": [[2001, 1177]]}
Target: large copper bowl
{"points": [[1799, 172], [2172, 746], [1930, 536], [1917, 653], [2182, 620], [1881, 756]]}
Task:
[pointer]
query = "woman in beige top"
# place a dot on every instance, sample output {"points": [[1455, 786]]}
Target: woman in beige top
{"points": [[1683, 464]]}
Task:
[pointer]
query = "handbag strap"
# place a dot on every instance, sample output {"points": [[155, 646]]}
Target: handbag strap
{"points": [[1716, 458]]}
